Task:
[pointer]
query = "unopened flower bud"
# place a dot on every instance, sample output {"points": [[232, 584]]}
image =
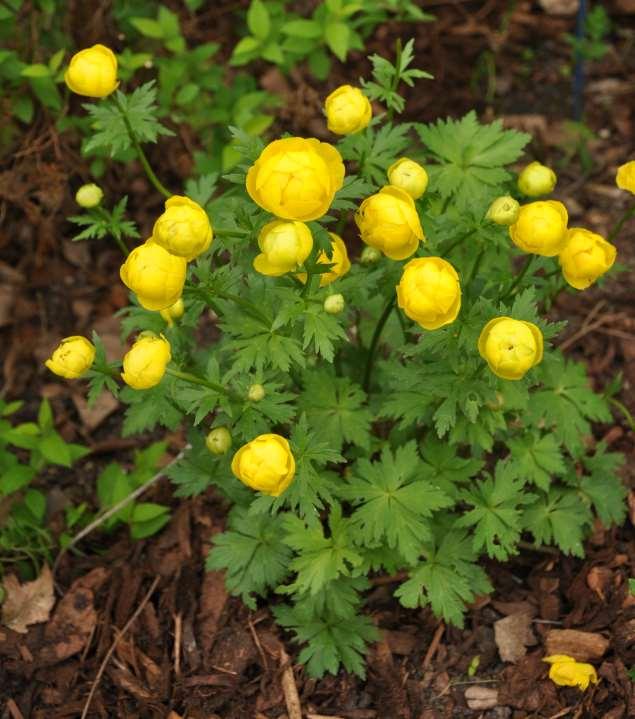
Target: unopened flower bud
{"points": [[256, 393], [370, 256], [334, 304], [503, 211], [219, 440], [536, 179], [89, 195], [173, 312]]}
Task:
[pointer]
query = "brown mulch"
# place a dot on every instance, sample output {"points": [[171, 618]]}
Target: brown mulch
{"points": [[193, 651]]}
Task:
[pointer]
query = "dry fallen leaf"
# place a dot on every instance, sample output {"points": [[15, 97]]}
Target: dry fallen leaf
{"points": [[481, 698], [28, 603], [513, 635], [560, 7]]}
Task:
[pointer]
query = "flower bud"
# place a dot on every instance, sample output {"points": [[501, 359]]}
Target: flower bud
{"points": [[503, 211], [429, 292], [334, 304], [338, 259], [173, 312], [255, 393], [541, 228], [284, 246], [296, 178], [567, 672], [585, 257], [183, 229], [154, 275], [388, 221], [219, 440], [625, 178], [536, 179], [145, 362], [510, 347], [72, 357], [370, 256], [92, 72], [89, 195], [409, 176], [347, 110], [265, 464]]}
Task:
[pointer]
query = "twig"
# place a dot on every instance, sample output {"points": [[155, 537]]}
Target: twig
{"points": [[117, 507], [178, 633], [289, 688], [562, 712], [434, 645], [256, 639], [113, 646], [323, 716]]}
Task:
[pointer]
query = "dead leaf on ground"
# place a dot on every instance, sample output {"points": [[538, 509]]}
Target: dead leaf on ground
{"points": [[560, 7], [93, 415], [28, 603], [481, 698], [513, 635], [582, 646]]}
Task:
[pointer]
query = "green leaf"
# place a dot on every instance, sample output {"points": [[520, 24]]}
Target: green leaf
{"points": [[147, 27], [37, 70], [561, 518], [308, 29], [55, 449], [537, 459], [321, 330], [603, 486], [258, 20], [336, 35], [147, 519]]}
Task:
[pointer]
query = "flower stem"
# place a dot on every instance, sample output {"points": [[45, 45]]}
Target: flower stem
{"points": [[519, 277], [139, 150], [397, 76], [372, 350], [620, 223], [193, 379], [105, 215]]}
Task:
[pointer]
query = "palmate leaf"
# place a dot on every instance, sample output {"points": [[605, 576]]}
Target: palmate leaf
{"points": [[602, 486], [537, 459], [445, 468], [559, 517], [393, 501]]}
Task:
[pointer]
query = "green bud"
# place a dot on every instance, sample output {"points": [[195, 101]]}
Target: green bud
{"points": [[256, 393], [370, 256], [219, 440], [89, 195], [503, 211], [334, 304]]}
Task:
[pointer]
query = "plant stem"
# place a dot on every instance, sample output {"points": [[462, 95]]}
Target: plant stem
{"points": [[620, 223], [474, 269], [139, 150], [250, 308], [625, 411], [370, 361], [105, 215], [519, 277], [397, 77], [193, 379]]}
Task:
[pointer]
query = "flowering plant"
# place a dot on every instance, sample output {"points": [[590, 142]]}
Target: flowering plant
{"points": [[400, 410]]}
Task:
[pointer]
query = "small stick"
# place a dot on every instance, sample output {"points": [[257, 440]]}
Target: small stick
{"points": [[323, 716], [562, 713], [256, 639], [178, 633], [113, 646], [434, 645], [289, 688]]}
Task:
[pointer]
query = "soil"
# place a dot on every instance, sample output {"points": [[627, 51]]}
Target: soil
{"points": [[140, 624]]}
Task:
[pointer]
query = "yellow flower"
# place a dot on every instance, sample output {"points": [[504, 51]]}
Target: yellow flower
{"points": [[89, 195], [296, 178], [347, 110], [72, 357], [566, 672], [536, 179], [284, 246], [92, 72], [154, 275], [173, 312], [183, 229], [266, 464], [429, 292], [338, 258], [388, 221], [541, 228], [585, 257], [503, 211], [510, 347], [409, 176], [145, 362], [334, 304], [219, 440], [625, 178]]}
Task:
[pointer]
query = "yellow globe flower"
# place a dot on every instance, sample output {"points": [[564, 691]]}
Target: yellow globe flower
{"points": [[154, 275], [566, 672], [145, 362], [409, 176], [536, 179], [503, 211], [347, 110], [338, 258], [296, 178], [388, 221], [266, 464], [510, 347], [585, 257], [429, 292], [173, 312], [72, 357], [284, 246], [183, 229], [541, 228], [625, 178], [92, 72]]}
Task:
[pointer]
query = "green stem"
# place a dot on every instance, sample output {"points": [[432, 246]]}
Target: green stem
{"points": [[105, 215], [193, 379], [519, 277], [140, 153], [226, 232], [396, 79], [620, 223], [625, 411], [372, 350], [208, 296], [474, 269]]}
